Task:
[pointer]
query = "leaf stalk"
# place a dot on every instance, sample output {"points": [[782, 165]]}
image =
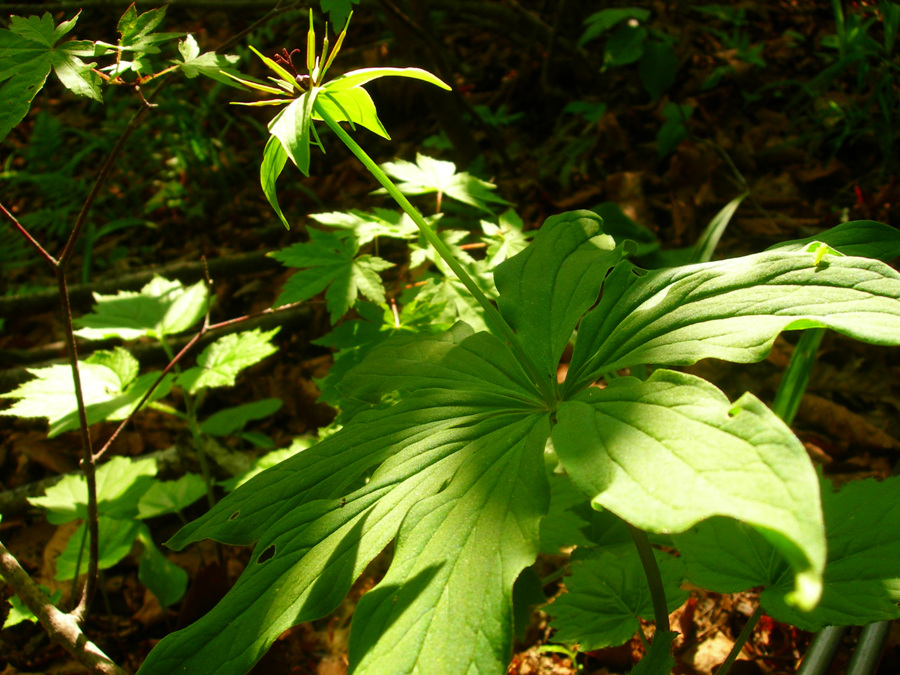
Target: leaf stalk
{"points": [[492, 316]]}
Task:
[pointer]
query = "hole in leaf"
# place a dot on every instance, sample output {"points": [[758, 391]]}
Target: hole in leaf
{"points": [[235, 515], [268, 554]]}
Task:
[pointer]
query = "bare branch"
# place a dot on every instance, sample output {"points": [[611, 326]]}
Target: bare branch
{"points": [[62, 628]]}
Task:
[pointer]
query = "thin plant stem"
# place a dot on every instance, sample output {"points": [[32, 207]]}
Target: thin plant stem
{"points": [[492, 317], [191, 416], [49, 259], [787, 402], [796, 376], [654, 579], [741, 641], [87, 463]]}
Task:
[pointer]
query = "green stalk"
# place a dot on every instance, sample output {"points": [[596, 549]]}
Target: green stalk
{"points": [[796, 376], [654, 579], [193, 425], [492, 317], [740, 642]]}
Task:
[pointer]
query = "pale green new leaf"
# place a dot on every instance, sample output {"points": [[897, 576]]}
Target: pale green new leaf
{"points": [[161, 308], [357, 78], [429, 175], [607, 594], [732, 310], [222, 361], [331, 262], [18, 612], [116, 538], [120, 361], [505, 238], [291, 127], [862, 574], [369, 226], [117, 406], [211, 65], [669, 452], [545, 289], [120, 484], [28, 51], [51, 394], [274, 159], [351, 105]]}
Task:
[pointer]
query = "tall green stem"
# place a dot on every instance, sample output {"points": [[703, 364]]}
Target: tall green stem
{"points": [[654, 578], [796, 377], [492, 317]]}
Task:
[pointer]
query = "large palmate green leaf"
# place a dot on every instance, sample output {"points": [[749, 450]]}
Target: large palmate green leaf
{"points": [[862, 575], [462, 453], [666, 453], [542, 299], [732, 310], [443, 452]]}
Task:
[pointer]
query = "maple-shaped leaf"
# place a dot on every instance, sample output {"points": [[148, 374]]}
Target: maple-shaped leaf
{"points": [[221, 362], [505, 238], [136, 30], [379, 223], [109, 387], [161, 308], [429, 175], [330, 261], [208, 64], [29, 49]]}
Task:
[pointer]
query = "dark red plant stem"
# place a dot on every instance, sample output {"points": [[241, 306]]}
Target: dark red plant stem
{"points": [[53, 262], [87, 463], [162, 376], [69, 249]]}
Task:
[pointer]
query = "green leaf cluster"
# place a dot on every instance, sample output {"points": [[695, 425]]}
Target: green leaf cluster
{"points": [[127, 493], [444, 451]]}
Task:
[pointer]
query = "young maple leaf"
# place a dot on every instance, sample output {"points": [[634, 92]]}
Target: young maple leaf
{"points": [[28, 51], [329, 261]]}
